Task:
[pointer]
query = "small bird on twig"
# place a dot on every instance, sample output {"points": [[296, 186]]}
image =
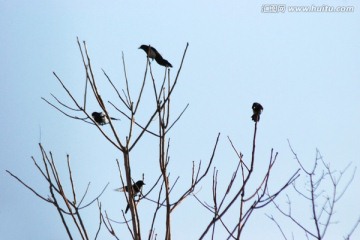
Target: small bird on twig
{"points": [[100, 118], [154, 54], [136, 187], [257, 109]]}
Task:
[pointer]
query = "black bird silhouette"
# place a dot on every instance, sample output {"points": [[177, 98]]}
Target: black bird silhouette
{"points": [[136, 189], [257, 109], [154, 54], [100, 118]]}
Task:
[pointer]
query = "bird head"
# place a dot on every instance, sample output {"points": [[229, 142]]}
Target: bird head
{"points": [[144, 47], [140, 183], [95, 114], [257, 107]]}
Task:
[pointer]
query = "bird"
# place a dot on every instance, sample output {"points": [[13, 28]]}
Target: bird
{"points": [[154, 54], [136, 187], [100, 118], [257, 109]]}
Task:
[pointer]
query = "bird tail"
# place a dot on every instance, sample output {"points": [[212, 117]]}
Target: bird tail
{"points": [[167, 64], [163, 62], [119, 189], [115, 118], [127, 208]]}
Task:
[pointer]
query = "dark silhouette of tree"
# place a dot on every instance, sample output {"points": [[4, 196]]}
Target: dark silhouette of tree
{"points": [[242, 198]]}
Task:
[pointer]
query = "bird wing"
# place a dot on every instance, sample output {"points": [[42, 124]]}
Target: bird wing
{"points": [[155, 52]]}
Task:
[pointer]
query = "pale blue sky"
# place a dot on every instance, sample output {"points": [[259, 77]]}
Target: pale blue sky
{"points": [[304, 68]]}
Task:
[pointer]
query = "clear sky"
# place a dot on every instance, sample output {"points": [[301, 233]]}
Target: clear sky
{"points": [[303, 67]]}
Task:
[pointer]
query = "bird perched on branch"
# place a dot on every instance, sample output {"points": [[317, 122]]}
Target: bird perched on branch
{"points": [[136, 187], [257, 109], [154, 54], [100, 118]]}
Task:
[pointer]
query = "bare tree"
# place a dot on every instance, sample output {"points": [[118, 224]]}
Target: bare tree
{"points": [[243, 197], [322, 192], [68, 208], [129, 109]]}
